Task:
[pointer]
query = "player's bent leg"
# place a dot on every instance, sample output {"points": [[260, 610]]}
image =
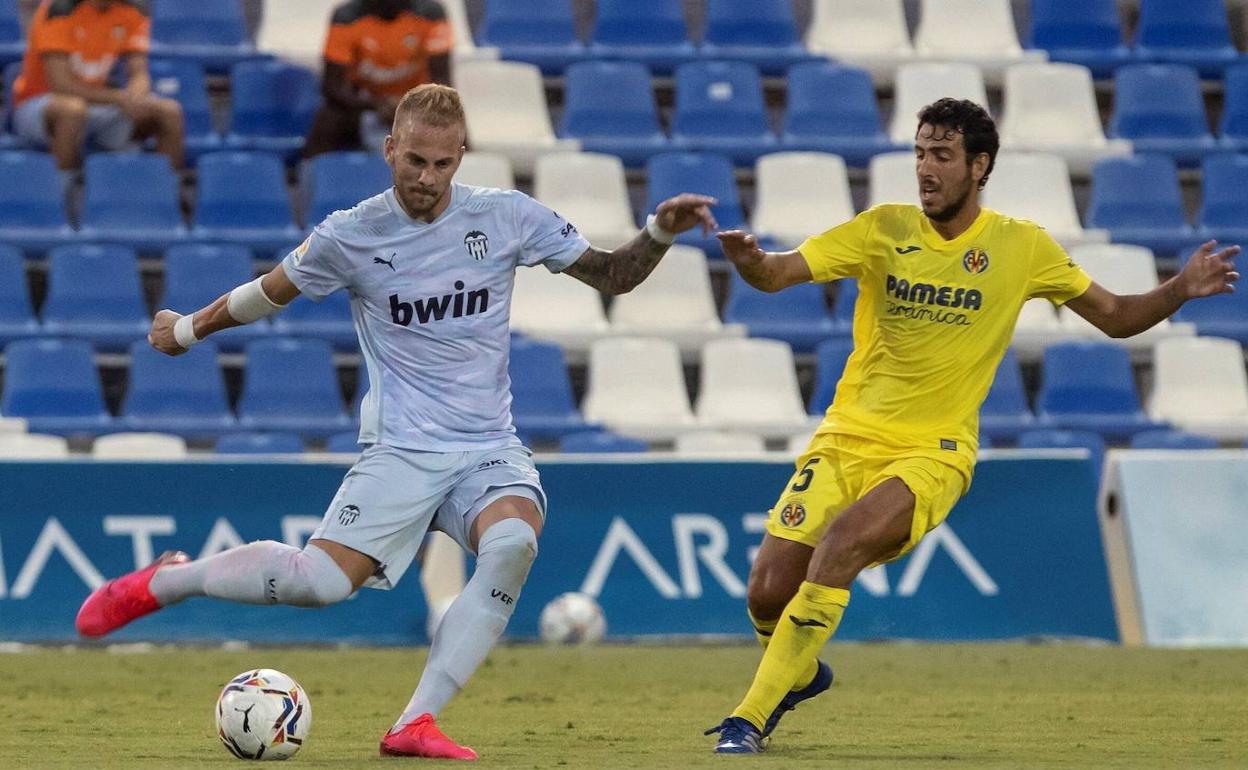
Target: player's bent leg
{"points": [[872, 530]]}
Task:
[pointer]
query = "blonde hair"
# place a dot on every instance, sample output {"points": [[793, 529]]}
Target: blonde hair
{"points": [[432, 104]]}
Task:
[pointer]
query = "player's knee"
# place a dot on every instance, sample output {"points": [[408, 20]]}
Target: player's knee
{"points": [[310, 578], [66, 110], [766, 601], [512, 539]]}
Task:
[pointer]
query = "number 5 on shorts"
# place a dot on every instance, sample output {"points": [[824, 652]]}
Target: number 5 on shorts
{"points": [[805, 476]]}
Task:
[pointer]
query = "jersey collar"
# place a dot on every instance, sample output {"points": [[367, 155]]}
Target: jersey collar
{"points": [[935, 242], [457, 194]]}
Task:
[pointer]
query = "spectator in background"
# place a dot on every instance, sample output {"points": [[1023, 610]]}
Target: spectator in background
{"points": [[63, 97], [376, 51]]}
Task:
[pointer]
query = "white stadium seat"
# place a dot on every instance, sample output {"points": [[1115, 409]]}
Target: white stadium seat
{"points": [[1037, 186], [505, 106], [892, 179], [296, 31], [800, 194], [32, 446], [12, 425], [589, 190], [637, 388], [676, 302], [486, 169], [921, 83], [1199, 385], [750, 385], [1037, 328], [871, 34], [1051, 107], [560, 309], [979, 32], [1122, 269], [465, 47], [717, 442], [138, 446]]}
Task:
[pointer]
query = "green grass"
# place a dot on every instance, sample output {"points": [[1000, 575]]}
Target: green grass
{"points": [[907, 706]]}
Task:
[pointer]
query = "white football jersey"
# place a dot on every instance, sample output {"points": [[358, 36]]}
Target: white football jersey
{"points": [[431, 302]]}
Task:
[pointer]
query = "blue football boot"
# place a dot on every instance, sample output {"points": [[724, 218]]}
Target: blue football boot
{"points": [[737, 736], [821, 682]]}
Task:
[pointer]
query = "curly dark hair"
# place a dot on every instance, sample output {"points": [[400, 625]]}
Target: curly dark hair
{"points": [[978, 129]]}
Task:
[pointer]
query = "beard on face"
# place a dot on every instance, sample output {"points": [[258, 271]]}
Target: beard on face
{"points": [[952, 210]]}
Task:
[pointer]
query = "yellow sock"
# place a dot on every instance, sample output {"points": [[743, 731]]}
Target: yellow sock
{"points": [[763, 630], [809, 621]]}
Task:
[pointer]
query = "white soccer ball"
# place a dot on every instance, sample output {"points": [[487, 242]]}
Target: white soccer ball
{"points": [[263, 714], [572, 618]]}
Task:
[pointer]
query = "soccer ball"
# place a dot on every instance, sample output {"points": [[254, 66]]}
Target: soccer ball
{"points": [[263, 714], [572, 618]]}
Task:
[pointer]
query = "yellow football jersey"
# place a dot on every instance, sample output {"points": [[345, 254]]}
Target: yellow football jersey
{"points": [[933, 319]]}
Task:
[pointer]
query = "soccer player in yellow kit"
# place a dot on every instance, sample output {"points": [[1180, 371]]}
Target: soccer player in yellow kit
{"points": [[940, 289]]}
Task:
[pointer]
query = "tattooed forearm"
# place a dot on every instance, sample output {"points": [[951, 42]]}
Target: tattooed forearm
{"points": [[762, 275], [622, 270]]}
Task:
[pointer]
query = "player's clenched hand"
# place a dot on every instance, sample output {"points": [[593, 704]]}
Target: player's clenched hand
{"points": [[685, 211], [161, 336], [741, 248], [1209, 272]]}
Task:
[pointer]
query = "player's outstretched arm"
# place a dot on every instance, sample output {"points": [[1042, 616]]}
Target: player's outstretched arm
{"points": [[1208, 272], [766, 271], [622, 270], [174, 334]]}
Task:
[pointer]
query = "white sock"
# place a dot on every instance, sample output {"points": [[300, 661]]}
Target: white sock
{"points": [[477, 617], [263, 572]]}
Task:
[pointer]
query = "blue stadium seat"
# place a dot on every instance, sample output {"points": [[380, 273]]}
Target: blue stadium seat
{"points": [[1160, 109], [184, 80], [830, 359], [672, 173], [833, 109], [1047, 438], [1171, 439], [1005, 412], [329, 319], [798, 315], [1190, 32], [843, 306], [541, 394], [597, 442], [339, 180], [1223, 315], [32, 202], [344, 443], [1138, 200], [184, 395], [609, 106], [212, 32], [1233, 128], [652, 32], [1224, 199], [196, 274], [1090, 386], [54, 384], [243, 199], [542, 32], [9, 73], [12, 41], [761, 32], [272, 104], [291, 385], [1086, 32], [17, 320], [720, 108], [257, 443], [131, 198], [94, 294]]}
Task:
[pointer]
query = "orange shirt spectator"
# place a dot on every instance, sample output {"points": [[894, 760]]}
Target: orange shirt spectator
{"points": [[93, 37], [388, 57]]}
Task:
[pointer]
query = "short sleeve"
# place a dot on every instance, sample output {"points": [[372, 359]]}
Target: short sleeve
{"points": [[338, 45], [54, 35], [546, 238], [317, 266], [839, 252], [1054, 275], [139, 29]]}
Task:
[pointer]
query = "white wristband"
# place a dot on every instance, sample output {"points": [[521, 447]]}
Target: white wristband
{"points": [[184, 331], [657, 233], [248, 303]]}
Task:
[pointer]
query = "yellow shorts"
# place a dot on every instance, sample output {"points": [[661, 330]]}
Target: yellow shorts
{"points": [[837, 470]]}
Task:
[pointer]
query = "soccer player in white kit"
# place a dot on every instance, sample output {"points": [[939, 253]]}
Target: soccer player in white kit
{"points": [[430, 266]]}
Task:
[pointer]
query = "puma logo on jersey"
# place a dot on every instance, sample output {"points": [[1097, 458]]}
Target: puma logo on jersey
{"points": [[387, 262], [455, 305]]}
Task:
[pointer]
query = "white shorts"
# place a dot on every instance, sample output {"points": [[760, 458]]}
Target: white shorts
{"points": [[108, 128], [391, 497]]}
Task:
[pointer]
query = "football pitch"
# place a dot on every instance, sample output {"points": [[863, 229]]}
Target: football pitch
{"points": [[893, 705]]}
